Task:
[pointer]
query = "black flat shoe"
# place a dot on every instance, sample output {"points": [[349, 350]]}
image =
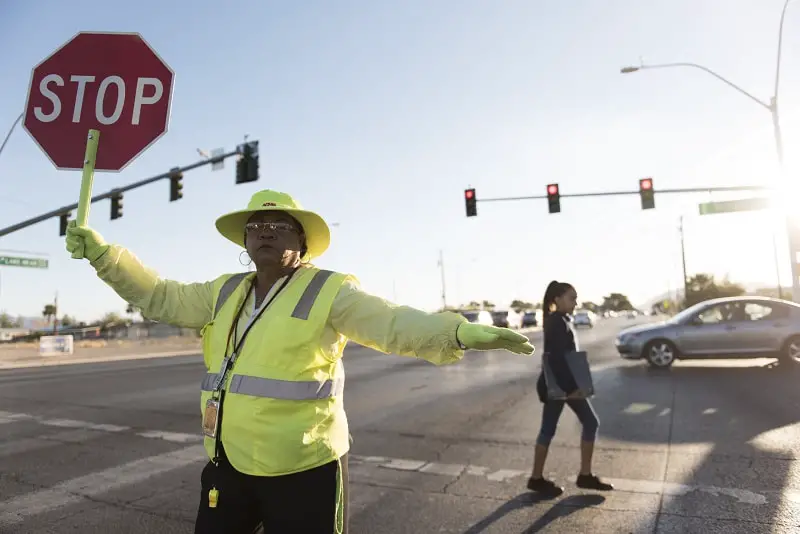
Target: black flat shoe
{"points": [[593, 482], [544, 487]]}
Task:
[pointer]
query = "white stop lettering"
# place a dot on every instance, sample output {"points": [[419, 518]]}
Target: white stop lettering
{"points": [[142, 84]]}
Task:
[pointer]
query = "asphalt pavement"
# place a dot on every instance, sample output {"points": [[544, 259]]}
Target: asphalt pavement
{"points": [[703, 447]]}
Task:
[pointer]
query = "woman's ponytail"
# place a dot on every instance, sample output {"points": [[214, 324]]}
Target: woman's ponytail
{"points": [[548, 300]]}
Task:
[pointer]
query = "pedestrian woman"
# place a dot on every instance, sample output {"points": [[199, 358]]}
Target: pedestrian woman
{"points": [[273, 418], [559, 302]]}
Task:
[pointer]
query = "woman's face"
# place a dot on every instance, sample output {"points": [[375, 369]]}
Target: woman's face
{"points": [[567, 302], [272, 237]]}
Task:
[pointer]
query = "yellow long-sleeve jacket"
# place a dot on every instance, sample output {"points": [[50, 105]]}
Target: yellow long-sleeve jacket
{"points": [[366, 319]]}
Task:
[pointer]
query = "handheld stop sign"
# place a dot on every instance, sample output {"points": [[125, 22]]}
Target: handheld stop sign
{"points": [[109, 83]]}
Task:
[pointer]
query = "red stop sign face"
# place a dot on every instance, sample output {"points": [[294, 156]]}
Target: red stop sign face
{"points": [[112, 82]]}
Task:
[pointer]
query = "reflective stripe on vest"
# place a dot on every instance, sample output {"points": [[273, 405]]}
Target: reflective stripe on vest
{"points": [[306, 302], [271, 388], [304, 305], [227, 290]]}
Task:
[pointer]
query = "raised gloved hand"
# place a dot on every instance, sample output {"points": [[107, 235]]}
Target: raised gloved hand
{"points": [[83, 242], [481, 337]]}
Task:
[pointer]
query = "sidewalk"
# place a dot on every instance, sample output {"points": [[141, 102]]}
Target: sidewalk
{"points": [[12, 356]]}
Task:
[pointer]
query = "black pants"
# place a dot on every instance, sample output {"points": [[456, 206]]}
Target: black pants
{"points": [[300, 503]]}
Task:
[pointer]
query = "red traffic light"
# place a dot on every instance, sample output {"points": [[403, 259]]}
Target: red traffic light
{"points": [[552, 189], [646, 184], [469, 194]]}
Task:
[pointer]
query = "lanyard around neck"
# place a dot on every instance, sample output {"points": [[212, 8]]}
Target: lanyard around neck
{"points": [[228, 361]]}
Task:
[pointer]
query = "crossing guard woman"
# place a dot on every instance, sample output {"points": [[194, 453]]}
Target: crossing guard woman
{"points": [[273, 419]]}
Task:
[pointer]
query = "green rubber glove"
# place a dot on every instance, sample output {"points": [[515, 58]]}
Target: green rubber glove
{"points": [[481, 337], [83, 242]]}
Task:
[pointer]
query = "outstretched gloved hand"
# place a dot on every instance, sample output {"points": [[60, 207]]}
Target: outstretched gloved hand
{"points": [[481, 337], [83, 242]]}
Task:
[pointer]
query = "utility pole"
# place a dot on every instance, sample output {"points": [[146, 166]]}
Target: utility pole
{"points": [[55, 315], [777, 265], [683, 262], [441, 268]]}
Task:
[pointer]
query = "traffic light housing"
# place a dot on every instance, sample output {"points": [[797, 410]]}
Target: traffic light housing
{"points": [[553, 198], [646, 193], [116, 206], [247, 165], [175, 185], [63, 221], [471, 202]]}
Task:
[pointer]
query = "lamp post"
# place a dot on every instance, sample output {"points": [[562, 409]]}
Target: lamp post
{"points": [[772, 107]]}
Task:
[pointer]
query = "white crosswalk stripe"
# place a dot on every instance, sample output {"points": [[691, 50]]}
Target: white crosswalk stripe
{"points": [[34, 433], [185, 449]]}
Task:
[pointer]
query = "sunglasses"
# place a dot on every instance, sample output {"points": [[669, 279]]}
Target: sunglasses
{"points": [[278, 227]]}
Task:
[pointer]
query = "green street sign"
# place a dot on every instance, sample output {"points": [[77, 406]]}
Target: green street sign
{"points": [[728, 206], [12, 261]]}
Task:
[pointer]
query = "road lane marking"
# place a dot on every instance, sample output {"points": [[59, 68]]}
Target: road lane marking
{"points": [[668, 489], [452, 470], [72, 423], [26, 445], [8, 417], [174, 437], [95, 484]]}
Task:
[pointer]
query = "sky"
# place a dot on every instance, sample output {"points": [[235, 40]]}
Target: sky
{"points": [[378, 115]]}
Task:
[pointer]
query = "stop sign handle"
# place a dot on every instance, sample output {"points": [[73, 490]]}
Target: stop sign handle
{"points": [[87, 179]]}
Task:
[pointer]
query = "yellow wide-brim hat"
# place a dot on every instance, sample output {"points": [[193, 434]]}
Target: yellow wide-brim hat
{"points": [[318, 235]]}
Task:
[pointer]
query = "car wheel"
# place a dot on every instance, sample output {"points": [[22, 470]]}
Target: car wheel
{"points": [[660, 353], [791, 350]]}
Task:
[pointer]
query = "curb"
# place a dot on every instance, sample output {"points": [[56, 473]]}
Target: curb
{"points": [[50, 361]]}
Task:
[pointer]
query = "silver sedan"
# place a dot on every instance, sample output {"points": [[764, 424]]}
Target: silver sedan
{"points": [[733, 327]]}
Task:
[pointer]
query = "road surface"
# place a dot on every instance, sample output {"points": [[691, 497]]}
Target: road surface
{"points": [[704, 447]]}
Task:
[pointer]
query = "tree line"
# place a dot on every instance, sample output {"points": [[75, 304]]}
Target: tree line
{"points": [[699, 288], [50, 314], [612, 302]]}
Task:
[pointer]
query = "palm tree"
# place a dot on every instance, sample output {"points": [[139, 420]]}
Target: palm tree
{"points": [[49, 312]]}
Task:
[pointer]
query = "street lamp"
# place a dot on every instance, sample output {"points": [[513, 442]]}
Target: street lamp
{"points": [[771, 106]]}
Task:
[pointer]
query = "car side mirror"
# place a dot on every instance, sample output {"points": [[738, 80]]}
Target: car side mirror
{"points": [[695, 321]]}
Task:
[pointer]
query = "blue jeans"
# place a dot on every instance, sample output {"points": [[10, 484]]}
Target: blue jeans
{"points": [[551, 413]]}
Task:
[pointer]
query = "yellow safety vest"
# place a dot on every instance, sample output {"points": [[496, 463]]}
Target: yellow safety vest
{"points": [[283, 410]]}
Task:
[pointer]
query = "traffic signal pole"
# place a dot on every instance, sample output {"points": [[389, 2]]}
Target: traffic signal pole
{"points": [[116, 192], [623, 193]]}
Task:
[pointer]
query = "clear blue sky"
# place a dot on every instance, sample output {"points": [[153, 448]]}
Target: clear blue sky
{"points": [[379, 114]]}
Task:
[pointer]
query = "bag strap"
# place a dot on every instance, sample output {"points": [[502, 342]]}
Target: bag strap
{"points": [[227, 290]]}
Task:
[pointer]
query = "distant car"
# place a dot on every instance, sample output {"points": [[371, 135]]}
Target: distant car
{"points": [[529, 319], [583, 318], [478, 316], [507, 319], [732, 327]]}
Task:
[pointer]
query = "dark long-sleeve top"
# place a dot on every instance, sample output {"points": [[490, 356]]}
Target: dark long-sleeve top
{"points": [[559, 340]]}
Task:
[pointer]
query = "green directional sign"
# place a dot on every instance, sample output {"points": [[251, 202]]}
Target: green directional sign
{"points": [[12, 261], [728, 206]]}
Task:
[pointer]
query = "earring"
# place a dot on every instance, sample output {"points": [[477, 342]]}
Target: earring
{"points": [[249, 260]]}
